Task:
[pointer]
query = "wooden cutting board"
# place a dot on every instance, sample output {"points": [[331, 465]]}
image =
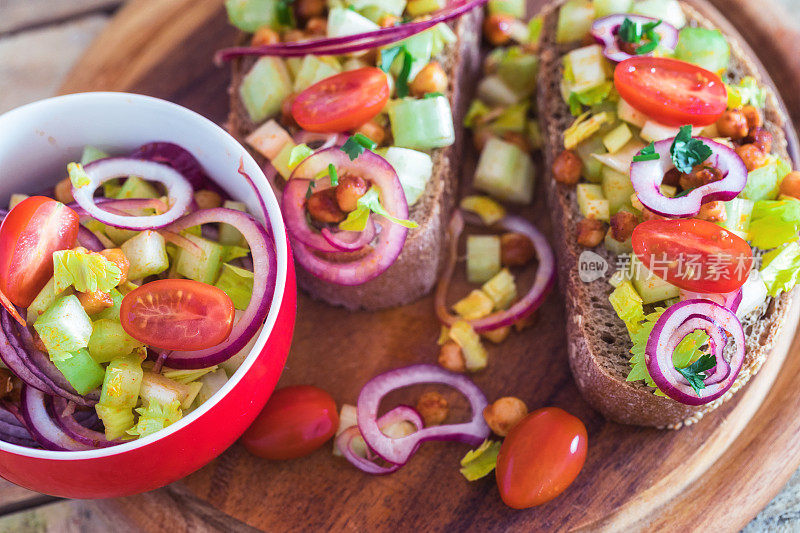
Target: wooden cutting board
{"points": [[717, 474]]}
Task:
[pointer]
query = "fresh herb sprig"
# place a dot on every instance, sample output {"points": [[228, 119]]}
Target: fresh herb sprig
{"points": [[698, 371], [354, 146], [633, 32], [688, 152], [648, 153], [387, 59]]}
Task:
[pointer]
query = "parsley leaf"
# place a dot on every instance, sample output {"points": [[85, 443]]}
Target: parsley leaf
{"points": [[634, 32], [370, 203], [387, 59], [333, 175], [630, 31], [687, 152], [648, 153], [310, 190], [354, 146], [697, 371], [284, 12]]}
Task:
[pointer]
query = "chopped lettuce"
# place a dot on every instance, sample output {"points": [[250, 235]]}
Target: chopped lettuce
{"points": [[77, 175], [481, 461], [237, 283], [628, 305], [298, 154], [774, 222], [231, 252], [780, 269], [87, 272], [746, 93], [370, 203], [763, 183], [186, 376], [589, 97], [155, 417]]}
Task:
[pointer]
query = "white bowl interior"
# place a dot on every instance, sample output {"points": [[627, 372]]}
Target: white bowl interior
{"points": [[39, 139]]}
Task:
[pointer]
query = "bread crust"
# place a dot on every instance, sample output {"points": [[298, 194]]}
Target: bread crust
{"points": [[597, 340], [415, 271]]}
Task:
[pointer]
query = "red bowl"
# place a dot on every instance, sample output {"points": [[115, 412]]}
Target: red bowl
{"points": [[39, 140]]}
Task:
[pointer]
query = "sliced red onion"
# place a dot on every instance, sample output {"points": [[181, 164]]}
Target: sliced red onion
{"points": [[13, 430], [89, 240], [323, 140], [265, 267], [605, 31], [178, 188], [731, 300], [350, 241], [178, 158], [344, 442], [57, 409], [260, 198], [42, 427], [648, 175], [391, 236], [181, 242], [397, 451], [353, 43], [532, 300], [674, 324]]}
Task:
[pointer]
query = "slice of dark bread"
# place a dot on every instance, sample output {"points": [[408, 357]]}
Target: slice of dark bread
{"points": [[415, 272], [598, 341]]}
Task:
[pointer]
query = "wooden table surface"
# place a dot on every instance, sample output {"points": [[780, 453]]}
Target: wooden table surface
{"points": [[39, 42]]}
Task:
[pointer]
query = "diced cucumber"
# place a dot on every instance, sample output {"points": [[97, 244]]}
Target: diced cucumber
{"points": [[592, 168], [92, 153], [652, 131], [515, 8], [669, 11], [422, 124], [617, 247], [588, 66], [46, 297], [118, 235], [228, 235], [475, 356], [281, 161], [574, 21], [483, 257], [237, 283], [194, 390], [629, 114], [617, 189], [615, 139], [135, 187], [514, 118], [704, 47], [342, 22], [591, 201], [212, 383], [420, 47], [413, 168], [202, 265], [16, 199], [109, 341], [518, 70], [314, 69], [495, 92], [250, 15], [82, 372], [650, 287], [502, 289], [265, 87], [603, 8], [161, 389], [122, 382], [64, 327], [147, 253], [416, 8], [116, 420], [505, 172], [739, 211], [112, 313]]}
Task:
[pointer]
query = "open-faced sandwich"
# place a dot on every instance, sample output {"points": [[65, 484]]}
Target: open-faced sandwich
{"points": [[351, 108], [668, 162]]}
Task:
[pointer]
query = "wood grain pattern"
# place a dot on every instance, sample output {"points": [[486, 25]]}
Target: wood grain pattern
{"points": [[633, 477]]}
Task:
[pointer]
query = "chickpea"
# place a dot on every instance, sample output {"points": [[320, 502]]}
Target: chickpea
{"points": [[431, 79], [497, 336], [712, 212], [6, 385], [294, 36], [433, 407], [94, 302], [306, 9], [517, 139], [117, 256], [567, 168], [387, 21], [672, 177], [451, 358], [590, 232], [497, 28], [349, 190], [701, 175], [733, 124], [622, 225], [374, 131], [752, 156], [206, 199], [753, 116], [761, 138], [790, 186], [317, 26], [264, 36], [516, 249], [323, 207], [504, 414], [63, 192]]}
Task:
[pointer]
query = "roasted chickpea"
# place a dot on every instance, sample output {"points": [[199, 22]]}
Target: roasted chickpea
{"points": [[433, 408], [701, 175], [451, 358], [63, 192], [713, 212], [349, 190], [733, 124], [761, 138], [306, 9], [516, 249], [504, 414], [206, 199], [497, 28], [374, 131], [6, 385], [317, 26], [295, 36], [622, 225], [265, 35], [753, 116], [94, 302], [590, 232], [672, 177], [117, 256], [567, 168], [323, 207], [431, 79], [387, 21], [752, 156], [790, 186]]}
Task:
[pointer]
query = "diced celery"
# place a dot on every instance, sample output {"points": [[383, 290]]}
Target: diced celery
{"points": [[265, 87], [574, 21], [649, 286], [116, 420], [15, 199], [483, 257], [617, 247], [475, 356], [161, 389], [82, 372], [112, 312], [617, 138], [87, 272], [237, 284], [496, 92], [212, 382], [155, 416], [314, 69], [46, 297], [194, 389], [603, 8], [739, 212], [515, 8], [514, 119], [147, 253], [584, 127], [505, 172], [617, 189], [91, 153], [475, 305], [413, 168], [592, 168], [518, 69], [109, 341], [229, 235], [588, 66], [250, 15], [669, 11], [621, 161], [202, 265], [502, 289], [122, 382], [422, 124], [486, 208], [704, 47], [342, 22], [416, 8], [591, 201], [135, 187], [629, 114], [64, 327]]}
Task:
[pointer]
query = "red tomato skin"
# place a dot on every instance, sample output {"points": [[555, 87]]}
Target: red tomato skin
{"points": [[658, 242], [296, 421], [640, 82], [540, 458], [342, 102], [39, 222], [148, 323]]}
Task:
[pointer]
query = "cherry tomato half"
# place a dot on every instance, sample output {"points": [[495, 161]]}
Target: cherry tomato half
{"points": [[342, 102], [670, 91], [31, 232], [296, 421], [177, 314], [541, 456], [693, 254]]}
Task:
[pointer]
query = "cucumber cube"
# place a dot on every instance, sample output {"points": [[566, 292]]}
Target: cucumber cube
{"points": [[65, 327], [228, 235], [505, 172], [592, 168], [574, 21], [314, 69], [46, 297], [269, 139], [617, 189], [212, 383], [617, 247], [200, 265], [82, 372], [518, 70], [342, 22], [669, 11], [650, 287], [617, 138], [603, 8], [483, 257], [631, 115], [250, 15], [384, 7], [414, 169], [422, 124], [495, 92], [109, 341], [135, 187], [147, 253], [420, 47], [281, 160], [588, 66], [122, 382], [591, 201], [265, 87]]}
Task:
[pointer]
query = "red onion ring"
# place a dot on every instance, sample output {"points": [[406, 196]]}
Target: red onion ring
{"points": [[260, 198], [731, 300], [178, 189], [532, 300], [648, 175], [57, 408], [352, 43], [350, 241], [181, 242], [265, 267], [13, 430], [398, 451], [327, 140], [42, 427], [674, 324], [391, 237], [344, 442], [89, 240], [178, 158], [605, 31]]}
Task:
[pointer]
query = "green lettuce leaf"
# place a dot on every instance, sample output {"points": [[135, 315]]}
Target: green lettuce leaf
{"points": [[155, 417], [628, 305], [481, 461], [357, 219], [746, 93], [774, 222], [237, 283], [763, 182], [780, 269], [87, 272]]}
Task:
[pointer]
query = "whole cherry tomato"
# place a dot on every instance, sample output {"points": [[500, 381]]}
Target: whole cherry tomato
{"points": [[296, 421], [540, 458]]}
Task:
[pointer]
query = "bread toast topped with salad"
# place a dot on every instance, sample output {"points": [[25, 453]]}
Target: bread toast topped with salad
{"points": [[667, 162], [406, 116]]}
